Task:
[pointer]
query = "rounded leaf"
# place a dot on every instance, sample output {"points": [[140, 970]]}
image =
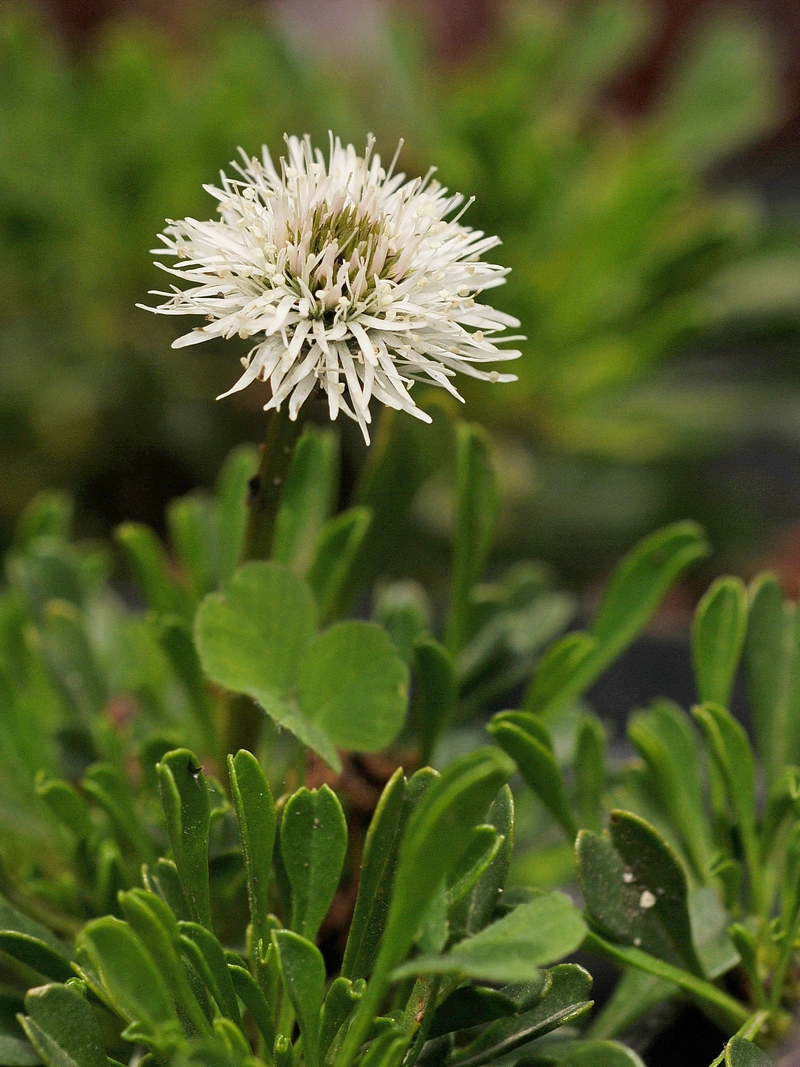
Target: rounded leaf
{"points": [[355, 686]]}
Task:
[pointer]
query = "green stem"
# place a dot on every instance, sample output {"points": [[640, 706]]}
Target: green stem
{"points": [[747, 1030], [419, 1013], [266, 488], [721, 1007], [784, 959]]}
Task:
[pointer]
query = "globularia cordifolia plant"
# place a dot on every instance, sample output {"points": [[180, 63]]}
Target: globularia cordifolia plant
{"points": [[175, 911]]}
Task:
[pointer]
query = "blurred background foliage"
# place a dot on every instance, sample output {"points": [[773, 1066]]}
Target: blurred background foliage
{"points": [[659, 293]]}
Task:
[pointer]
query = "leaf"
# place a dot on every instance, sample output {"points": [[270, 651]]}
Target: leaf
{"points": [[313, 846], [48, 515], [520, 735], [354, 686], [636, 589], [104, 783], [772, 660], [470, 1006], [148, 561], [209, 961], [484, 845], [192, 531], [739, 1052], [130, 979], [251, 637], [710, 922], [33, 944], [635, 889], [718, 632], [187, 807], [477, 503], [435, 693], [255, 813], [563, 661], [474, 912], [340, 1001], [567, 999], [591, 774], [513, 948], [725, 93], [62, 1027], [252, 997], [72, 661], [239, 467], [157, 929], [308, 498], [633, 996], [174, 635], [734, 758], [436, 835], [331, 571], [599, 1054], [303, 974], [378, 864], [664, 738], [67, 805], [17, 1052]]}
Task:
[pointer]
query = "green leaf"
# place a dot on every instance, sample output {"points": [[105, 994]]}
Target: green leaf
{"points": [[231, 508], [303, 974], [378, 864], [255, 813], [187, 807], [664, 738], [734, 759], [17, 1052], [601, 1054], [435, 693], [251, 996], [555, 672], [436, 835], [308, 498], [477, 503], [340, 1002], [567, 999], [634, 994], [330, 574], [718, 633], [591, 775], [473, 913], [67, 805], [470, 1006], [48, 515], [513, 948], [520, 735], [710, 922], [635, 889], [150, 566], [129, 978], [157, 929], [211, 965], [772, 659], [354, 685], [251, 637], [192, 531], [484, 845], [62, 1027], [104, 783], [313, 846], [33, 944], [724, 95], [72, 660], [175, 637], [739, 1052], [636, 589]]}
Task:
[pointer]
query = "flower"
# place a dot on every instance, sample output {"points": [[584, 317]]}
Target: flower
{"points": [[345, 274]]}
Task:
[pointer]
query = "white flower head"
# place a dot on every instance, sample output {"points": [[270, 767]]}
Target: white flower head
{"points": [[346, 275]]}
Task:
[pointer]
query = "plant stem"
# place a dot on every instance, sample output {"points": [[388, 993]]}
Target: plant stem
{"points": [[266, 488]]}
